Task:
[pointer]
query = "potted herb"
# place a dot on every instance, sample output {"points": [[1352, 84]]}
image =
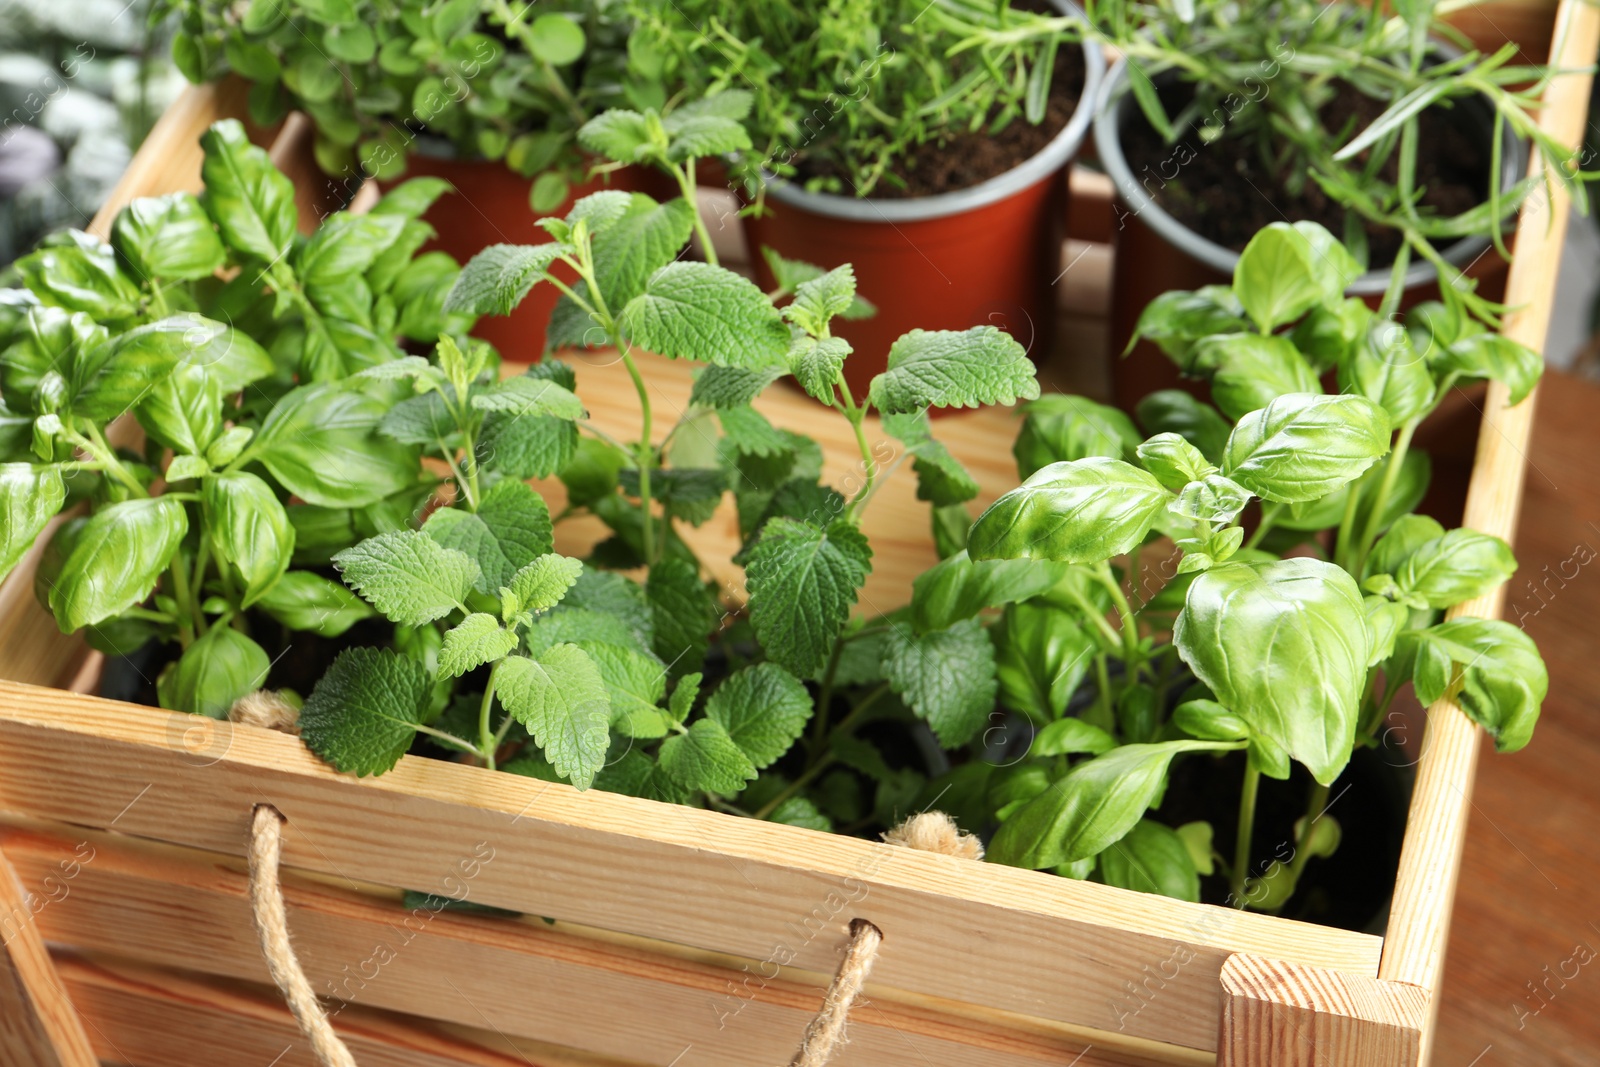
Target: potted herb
{"points": [[1287, 647], [923, 144], [572, 670], [485, 94], [1371, 124], [259, 460]]}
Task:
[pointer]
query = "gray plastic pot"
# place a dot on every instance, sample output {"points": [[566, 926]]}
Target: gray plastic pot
{"points": [[984, 255], [1155, 253]]}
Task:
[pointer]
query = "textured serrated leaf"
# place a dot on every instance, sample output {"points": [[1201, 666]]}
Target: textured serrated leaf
{"points": [[635, 683], [764, 709], [477, 640], [819, 299], [700, 312], [707, 759], [947, 677], [526, 447], [816, 363], [749, 431], [950, 368], [363, 714], [407, 575], [803, 581], [509, 530], [561, 698], [729, 387], [528, 397], [543, 583], [683, 615], [495, 280]]}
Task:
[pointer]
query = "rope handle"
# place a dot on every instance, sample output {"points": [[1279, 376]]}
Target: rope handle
{"points": [[826, 1032], [272, 927]]}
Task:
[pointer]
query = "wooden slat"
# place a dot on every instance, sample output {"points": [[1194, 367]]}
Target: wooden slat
{"points": [[1281, 1015], [188, 910], [39, 1026], [148, 1017], [983, 934], [1419, 921]]}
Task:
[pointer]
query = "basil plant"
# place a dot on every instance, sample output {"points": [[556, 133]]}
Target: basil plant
{"points": [[630, 670], [229, 338], [1294, 593], [496, 79]]}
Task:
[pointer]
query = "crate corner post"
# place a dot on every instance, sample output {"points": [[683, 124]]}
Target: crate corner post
{"points": [[39, 1026]]}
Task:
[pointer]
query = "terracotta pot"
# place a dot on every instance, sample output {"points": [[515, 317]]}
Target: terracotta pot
{"points": [[985, 255], [489, 207], [1154, 253]]}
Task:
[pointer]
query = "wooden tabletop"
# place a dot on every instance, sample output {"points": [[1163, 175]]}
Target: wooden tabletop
{"points": [[1522, 976]]}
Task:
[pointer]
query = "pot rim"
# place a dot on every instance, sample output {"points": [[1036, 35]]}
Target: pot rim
{"points": [[1049, 159], [1109, 113]]}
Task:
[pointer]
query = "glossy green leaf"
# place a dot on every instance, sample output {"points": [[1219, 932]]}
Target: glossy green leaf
{"points": [[1388, 371], [167, 237], [1303, 446], [322, 443], [1500, 359], [1249, 371], [214, 672], [1152, 858], [1491, 669], [1085, 511], [1456, 567], [1285, 270], [959, 587], [117, 559], [250, 200], [302, 600], [30, 496], [1042, 654], [1057, 428], [249, 530]]}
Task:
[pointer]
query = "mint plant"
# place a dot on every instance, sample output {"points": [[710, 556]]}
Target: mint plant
{"points": [[259, 455], [1283, 645], [573, 670], [498, 80]]}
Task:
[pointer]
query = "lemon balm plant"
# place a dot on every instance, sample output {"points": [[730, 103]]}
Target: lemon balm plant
{"points": [[229, 338], [1283, 644]]}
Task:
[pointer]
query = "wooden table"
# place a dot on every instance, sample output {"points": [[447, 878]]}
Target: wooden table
{"points": [[1522, 978]]}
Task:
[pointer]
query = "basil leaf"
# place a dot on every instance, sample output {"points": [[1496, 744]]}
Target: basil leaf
{"points": [[1152, 859], [183, 411], [249, 529], [219, 668], [345, 245], [1388, 371], [111, 377], [1488, 355], [1057, 428], [302, 600], [30, 496], [1096, 804], [1085, 511], [1304, 446], [1405, 537], [1041, 656], [80, 277], [322, 443], [1249, 371], [1175, 411], [251, 201], [1491, 669], [1176, 319], [1284, 646], [50, 341], [1286, 270], [959, 587], [1456, 567], [117, 559], [167, 237]]}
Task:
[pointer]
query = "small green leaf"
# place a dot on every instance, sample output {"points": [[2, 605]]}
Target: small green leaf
{"points": [[683, 614], [959, 587], [1152, 858], [1057, 428], [1249, 371], [345, 245], [1304, 446], [816, 364], [1285, 270], [408, 576], [497, 279], [476, 640], [949, 368], [764, 709], [362, 716], [729, 387], [635, 683], [947, 677], [1456, 567], [30, 496], [116, 560], [1178, 318], [707, 759], [803, 581], [1174, 411], [249, 199], [1070, 737], [543, 583], [167, 237], [1085, 511], [249, 530], [818, 300], [219, 668], [1493, 672], [1408, 534], [556, 39], [561, 698], [1095, 805], [1174, 461], [1500, 359], [1387, 370], [619, 135], [302, 600], [700, 312]]}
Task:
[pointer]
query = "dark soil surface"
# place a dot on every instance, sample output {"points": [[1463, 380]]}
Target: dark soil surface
{"points": [[1226, 193], [966, 159]]}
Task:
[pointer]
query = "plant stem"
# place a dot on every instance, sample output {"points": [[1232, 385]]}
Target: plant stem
{"points": [[646, 457], [810, 775], [449, 739], [857, 416], [1319, 799], [1391, 474], [486, 736], [819, 727], [1108, 713], [186, 611], [1269, 516], [1130, 625], [686, 185], [1247, 828], [94, 443]]}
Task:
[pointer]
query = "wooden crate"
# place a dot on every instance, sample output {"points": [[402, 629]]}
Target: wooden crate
{"points": [[671, 935]]}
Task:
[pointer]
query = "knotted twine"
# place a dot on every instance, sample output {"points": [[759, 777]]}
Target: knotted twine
{"points": [[931, 831], [928, 832]]}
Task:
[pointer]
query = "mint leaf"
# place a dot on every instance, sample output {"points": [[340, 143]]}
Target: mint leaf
{"points": [[707, 759], [509, 530], [749, 431], [600, 210], [700, 312], [542, 584], [362, 715], [635, 684], [948, 368], [636, 775], [819, 299], [620, 135], [570, 625], [495, 280], [729, 387], [527, 396], [704, 135], [645, 239], [791, 274], [408, 576], [684, 695], [764, 710], [420, 420], [816, 362], [561, 698], [941, 479], [803, 581], [479, 639], [683, 615], [947, 677], [611, 594], [526, 447]]}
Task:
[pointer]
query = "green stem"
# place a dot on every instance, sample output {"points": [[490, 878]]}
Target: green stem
{"points": [[486, 734], [1108, 712], [810, 775], [1391, 474], [686, 185], [1269, 516], [1247, 827], [1345, 544], [1319, 800], [819, 727], [94, 443], [646, 457], [187, 615], [1130, 625], [449, 739]]}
